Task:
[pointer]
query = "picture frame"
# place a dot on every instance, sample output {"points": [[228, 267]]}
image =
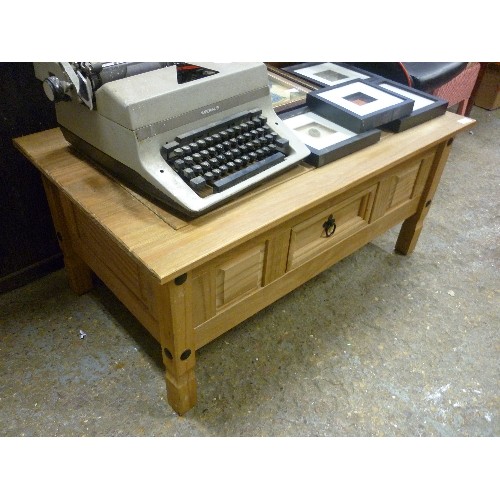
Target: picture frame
{"points": [[426, 106], [326, 140], [328, 74], [286, 93], [359, 105]]}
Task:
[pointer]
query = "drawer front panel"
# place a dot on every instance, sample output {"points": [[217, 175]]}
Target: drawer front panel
{"points": [[310, 237]]}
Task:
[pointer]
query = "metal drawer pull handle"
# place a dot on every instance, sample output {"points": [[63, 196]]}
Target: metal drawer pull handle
{"points": [[329, 226]]}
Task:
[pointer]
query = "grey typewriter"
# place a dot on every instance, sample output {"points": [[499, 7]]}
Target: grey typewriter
{"points": [[191, 136]]}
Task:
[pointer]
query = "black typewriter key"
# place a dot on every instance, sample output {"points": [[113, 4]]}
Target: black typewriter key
{"points": [[256, 144], [252, 125], [177, 152], [230, 132], [205, 165], [254, 112], [198, 183], [205, 154], [266, 150], [254, 134], [214, 162], [262, 141], [244, 149], [229, 155], [266, 128], [241, 139], [186, 150], [222, 159], [197, 157], [202, 144], [188, 160], [209, 140], [220, 148], [212, 150], [179, 164], [198, 169], [282, 144], [261, 131], [231, 166], [237, 130], [260, 120], [209, 177], [246, 159], [238, 163], [224, 135], [248, 136], [223, 169], [194, 147], [253, 156], [234, 142], [188, 173], [216, 138], [269, 138], [260, 154], [217, 173], [236, 152], [250, 147], [168, 151], [227, 145]]}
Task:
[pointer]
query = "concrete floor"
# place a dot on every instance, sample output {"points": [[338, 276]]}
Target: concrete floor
{"points": [[378, 345]]}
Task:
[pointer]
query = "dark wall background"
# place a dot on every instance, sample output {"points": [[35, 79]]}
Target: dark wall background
{"points": [[28, 246]]}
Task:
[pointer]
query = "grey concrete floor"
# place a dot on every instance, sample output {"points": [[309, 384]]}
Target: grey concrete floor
{"points": [[378, 345]]}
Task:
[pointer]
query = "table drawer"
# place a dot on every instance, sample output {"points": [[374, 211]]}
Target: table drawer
{"points": [[329, 226]]}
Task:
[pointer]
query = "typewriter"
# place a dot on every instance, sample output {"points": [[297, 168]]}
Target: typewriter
{"points": [[190, 135]]}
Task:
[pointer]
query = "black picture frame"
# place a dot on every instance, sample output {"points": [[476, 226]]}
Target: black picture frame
{"points": [[320, 156], [421, 113], [332, 73], [359, 105]]}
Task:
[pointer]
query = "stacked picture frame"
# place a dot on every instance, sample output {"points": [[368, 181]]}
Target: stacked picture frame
{"points": [[327, 74], [359, 105], [327, 140], [425, 107], [342, 109]]}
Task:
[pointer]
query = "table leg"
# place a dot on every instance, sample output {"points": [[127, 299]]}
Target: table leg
{"points": [[412, 227], [177, 342], [78, 273]]}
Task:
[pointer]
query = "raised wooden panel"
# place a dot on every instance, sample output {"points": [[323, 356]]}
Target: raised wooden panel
{"points": [[276, 255], [239, 275], [203, 295], [403, 185], [309, 238], [99, 244]]}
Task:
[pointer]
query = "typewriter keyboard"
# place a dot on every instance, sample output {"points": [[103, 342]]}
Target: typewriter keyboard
{"points": [[217, 157]]}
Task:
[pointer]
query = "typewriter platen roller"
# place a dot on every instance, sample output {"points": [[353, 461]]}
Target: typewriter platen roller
{"points": [[190, 135]]}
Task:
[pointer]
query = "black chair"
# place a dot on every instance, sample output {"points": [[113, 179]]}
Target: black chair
{"points": [[455, 82], [425, 76]]}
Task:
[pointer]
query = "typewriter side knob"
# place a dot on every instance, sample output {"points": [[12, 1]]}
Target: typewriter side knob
{"points": [[54, 89]]}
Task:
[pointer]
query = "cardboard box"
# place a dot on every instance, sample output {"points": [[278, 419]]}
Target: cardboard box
{"points": [[488, 93]]}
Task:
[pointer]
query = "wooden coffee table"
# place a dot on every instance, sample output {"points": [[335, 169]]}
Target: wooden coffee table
{"points": [[189, 281]]}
